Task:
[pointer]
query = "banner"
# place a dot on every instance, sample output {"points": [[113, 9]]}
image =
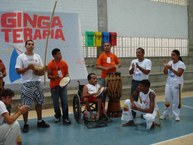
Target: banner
{"points": [[17, 27]]}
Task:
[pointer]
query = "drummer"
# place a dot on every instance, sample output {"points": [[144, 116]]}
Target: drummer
{"points": [[31, 90], [107, 62], [58, 69], [91, 93]]}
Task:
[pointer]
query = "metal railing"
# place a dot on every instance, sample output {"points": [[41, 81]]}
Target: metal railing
{"points": [[175, 2], [154, 47]]}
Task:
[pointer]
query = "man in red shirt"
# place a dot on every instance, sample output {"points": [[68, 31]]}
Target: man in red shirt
{"points": [[108, 63], [57, 69]]}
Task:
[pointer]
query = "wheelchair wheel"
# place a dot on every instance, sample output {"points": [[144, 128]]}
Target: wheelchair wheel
{"points": [[77, 109]]}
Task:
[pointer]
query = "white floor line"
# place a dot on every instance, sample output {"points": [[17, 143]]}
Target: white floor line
{"points": [[187, 106], [165, 141]]}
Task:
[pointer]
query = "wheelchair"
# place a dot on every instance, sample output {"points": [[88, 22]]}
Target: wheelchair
{"points": [[80, 111]]}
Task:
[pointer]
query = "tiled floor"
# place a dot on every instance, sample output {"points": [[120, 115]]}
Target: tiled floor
{"points": [[114, 134]]}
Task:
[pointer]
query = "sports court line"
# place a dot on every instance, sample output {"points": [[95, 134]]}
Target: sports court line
{"points": [[166, 141], [187, 106]]}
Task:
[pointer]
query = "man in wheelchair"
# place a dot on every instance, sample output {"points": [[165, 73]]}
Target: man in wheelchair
{"points": [[92, 93]]}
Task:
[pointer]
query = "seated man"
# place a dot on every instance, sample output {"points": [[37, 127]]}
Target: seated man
{"points": [[148, 106], [91, 93], [9, 128]]}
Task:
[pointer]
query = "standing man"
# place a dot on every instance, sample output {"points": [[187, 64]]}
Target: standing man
{"points": [[31, 89], [107, 62], [2, 74], [57, 69], [139, 69]]}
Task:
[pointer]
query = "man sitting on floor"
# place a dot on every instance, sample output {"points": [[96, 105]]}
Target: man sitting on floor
{"points": [[147, 106]]}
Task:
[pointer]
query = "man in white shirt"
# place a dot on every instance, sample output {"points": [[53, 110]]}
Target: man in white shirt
{"points": [[139, 69], [31, 90]]}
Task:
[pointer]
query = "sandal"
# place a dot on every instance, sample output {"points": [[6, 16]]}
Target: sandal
{"points": [[97, 117]]}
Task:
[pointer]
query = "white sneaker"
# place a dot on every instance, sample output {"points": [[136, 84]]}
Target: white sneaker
{"points": [[177, 118], [162, 117], [57, 120]]}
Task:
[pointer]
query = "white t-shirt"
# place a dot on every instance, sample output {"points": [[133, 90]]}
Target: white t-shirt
{"points": [[93, 89], [172, 78], [23, 61], [3, 109], [138, 75], [145, 100]]}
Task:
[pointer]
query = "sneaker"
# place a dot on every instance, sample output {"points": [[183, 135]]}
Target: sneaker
{"points": [[162, 117], [42, 124], [130, 123], [25, 128], [177, 118], [66, 122], [56, 120]]}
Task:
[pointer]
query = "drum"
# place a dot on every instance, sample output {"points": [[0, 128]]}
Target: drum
{"points": [[114, 89], [100, 91], [38, 70], [64, 81]]}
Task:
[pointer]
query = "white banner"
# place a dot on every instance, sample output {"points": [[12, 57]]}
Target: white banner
{"points": [[17, 27]]}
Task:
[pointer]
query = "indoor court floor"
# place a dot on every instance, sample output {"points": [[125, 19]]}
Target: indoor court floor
{"points": [[170, 131]]}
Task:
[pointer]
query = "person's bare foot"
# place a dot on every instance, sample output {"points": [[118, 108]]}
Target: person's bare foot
{"points": [[130, 123]]}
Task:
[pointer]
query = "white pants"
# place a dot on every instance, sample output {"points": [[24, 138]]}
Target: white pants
{"points": [[9, 133], [149, 117], [172, 93]]}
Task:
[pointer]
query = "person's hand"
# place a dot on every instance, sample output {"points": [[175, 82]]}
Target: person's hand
{"points": [[133, 66], [111, 67], [169, 66], [164, 62], [30, 66], [23, 108], [137, 65], [133, 106]]}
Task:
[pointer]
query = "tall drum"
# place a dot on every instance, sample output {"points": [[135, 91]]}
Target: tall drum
{"points": [[114, 85]]}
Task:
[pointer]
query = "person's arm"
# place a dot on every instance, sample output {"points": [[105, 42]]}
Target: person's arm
{"points": [[178, 72], [135, 93], [165, 70], [104, 67], [131, 71], [85, 92], [9, 119], [152, 105], [50, 76], [23, 70], [143, 69], [118, 65]]}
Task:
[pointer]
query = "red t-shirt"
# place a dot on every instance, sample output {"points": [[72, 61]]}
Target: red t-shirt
{"points": [[106, 60], [2, 68], [54, 67]]}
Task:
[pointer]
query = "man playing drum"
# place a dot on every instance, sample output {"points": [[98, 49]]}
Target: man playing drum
{"points": [[31, 89], [107, 62], [57, 70], [92, 93]]}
